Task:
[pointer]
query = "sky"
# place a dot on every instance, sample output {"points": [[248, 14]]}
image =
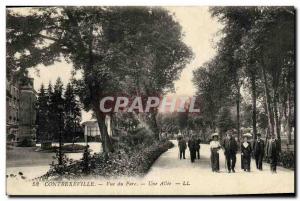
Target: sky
{"points": [[200, 31]]}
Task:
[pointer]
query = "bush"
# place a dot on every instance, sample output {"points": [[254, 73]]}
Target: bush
{"points": [[138, 162], [66, 169], [136, 139], [287, 159], [26, 142]]}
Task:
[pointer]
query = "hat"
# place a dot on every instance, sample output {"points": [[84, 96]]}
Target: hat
{"points": [[230, 132], [247, 135], [214, 134]]}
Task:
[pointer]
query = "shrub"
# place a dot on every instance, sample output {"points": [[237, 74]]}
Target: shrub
{"points": [[287, 159], [26, 142], [136, 139], [138, 162]]}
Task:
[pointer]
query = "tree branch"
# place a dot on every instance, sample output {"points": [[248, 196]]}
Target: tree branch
{"points": [[48, 37]]}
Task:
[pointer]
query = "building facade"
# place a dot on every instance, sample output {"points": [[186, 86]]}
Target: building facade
{"points": [[21, 113], [12, 110], [91, 128]]}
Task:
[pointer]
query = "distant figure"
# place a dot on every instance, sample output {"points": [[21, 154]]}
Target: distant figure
{"points": [[192, 147], [258, 151], [182, 147], [246, 151], [85, 159], [198, 141], [272, 150], [230, 149], [214, 148]]}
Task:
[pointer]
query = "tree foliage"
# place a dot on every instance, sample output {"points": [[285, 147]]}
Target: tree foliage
{"points": [[135, 50], [255, 54]]}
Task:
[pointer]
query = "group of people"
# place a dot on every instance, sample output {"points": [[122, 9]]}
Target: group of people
{"points": [[193, 145], [230, 146], [257, 149]]}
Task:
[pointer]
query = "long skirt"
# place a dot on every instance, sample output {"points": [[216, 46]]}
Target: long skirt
{"points": [[273, 163], [245, 162], [214, 161]]}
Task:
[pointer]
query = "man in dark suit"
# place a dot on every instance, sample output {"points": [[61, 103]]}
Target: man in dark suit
{"points": [[182, 147], [198, 141], [192, 146], [272, 152], [258, 150], [230, 148]]}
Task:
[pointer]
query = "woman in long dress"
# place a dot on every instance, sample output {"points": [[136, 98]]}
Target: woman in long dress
{"points": [[214, 157], [246, 151]]}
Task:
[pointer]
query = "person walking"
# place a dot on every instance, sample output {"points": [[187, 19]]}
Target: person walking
{"points": [[182, 147], [230, 148], [272, 150], [246, 151], [258, 151], [192, 148], [214, 152], [198, 141]]}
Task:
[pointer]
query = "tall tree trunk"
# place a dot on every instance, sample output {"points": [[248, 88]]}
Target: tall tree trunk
{"points": [[268, 102], [253, 89], [276, 119], [238, 97], [112, 124], [289, 118], [266, 112], [238, 117], [289, 109], [106, 141], [154, 125]]}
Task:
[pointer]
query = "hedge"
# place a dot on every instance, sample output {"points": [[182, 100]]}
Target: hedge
{"points": [[137, 163]]}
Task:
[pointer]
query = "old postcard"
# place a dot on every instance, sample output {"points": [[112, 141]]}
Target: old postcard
{"points": [[124, 100]]}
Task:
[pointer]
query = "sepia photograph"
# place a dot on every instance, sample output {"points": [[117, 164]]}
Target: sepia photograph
{"points": [[150, 100]]}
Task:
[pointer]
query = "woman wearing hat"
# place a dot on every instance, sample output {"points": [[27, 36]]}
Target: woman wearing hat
{"points": [[246, 151], [214, 148]]}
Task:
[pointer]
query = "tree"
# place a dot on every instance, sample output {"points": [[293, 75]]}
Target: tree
{"points": [[225, 122], [272, 56], [25, 45], [57, 117], [42, 116], [72, 112], [157, 56], [50, 114], [213, 90], [252, 62], [236, 22], [108, 45]]}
